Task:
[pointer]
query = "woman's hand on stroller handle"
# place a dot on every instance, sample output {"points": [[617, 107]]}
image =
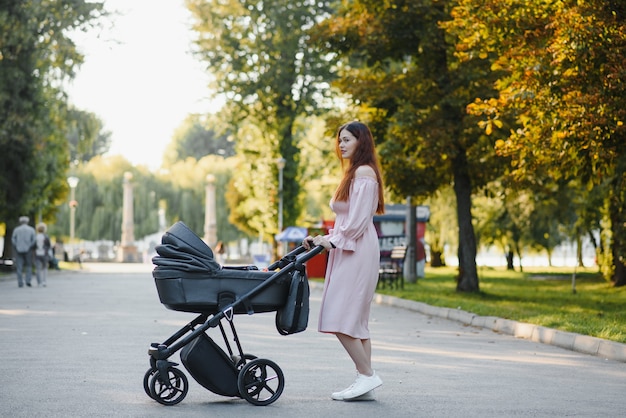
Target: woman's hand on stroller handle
{"points": [[318, 240]]}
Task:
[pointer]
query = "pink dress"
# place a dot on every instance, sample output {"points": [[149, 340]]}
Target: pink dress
{"points": [[352, 271]]}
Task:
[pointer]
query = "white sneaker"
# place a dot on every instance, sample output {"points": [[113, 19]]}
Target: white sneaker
{"points": [[361, 386], [369, 396], [338, 396]]}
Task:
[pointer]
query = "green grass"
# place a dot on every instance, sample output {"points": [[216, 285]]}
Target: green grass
{"points": [[537, 296]]}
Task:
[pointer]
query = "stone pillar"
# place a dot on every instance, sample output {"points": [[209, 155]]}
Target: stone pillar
{"points": [[210, 216], [127, 252], [162, 225]]}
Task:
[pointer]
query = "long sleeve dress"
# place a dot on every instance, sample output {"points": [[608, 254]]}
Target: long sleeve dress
{"points": [[352, 271]]}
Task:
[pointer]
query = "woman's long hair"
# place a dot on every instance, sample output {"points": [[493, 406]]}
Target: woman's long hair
{"points": [[364, 154]]}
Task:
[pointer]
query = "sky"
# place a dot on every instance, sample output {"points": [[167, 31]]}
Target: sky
{"points": [[140, 78]]}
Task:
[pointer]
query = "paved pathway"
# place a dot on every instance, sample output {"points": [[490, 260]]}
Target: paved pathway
{"points": [[77, 348]]}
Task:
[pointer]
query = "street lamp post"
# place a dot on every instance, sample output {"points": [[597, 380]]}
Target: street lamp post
{"points": [[281, 165], [73, 182]]}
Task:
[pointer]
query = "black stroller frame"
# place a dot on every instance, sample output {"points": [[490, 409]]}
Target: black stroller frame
{"points": [[236, 374]]}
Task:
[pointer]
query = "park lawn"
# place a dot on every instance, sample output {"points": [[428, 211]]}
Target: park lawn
{"points": [[537, 296]]}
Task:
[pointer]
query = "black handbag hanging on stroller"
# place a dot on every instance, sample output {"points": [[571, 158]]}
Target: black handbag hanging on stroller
{"points": [[188, 279]]}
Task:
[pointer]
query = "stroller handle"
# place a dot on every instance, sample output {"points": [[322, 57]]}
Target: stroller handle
{"points": [[293, 256]]}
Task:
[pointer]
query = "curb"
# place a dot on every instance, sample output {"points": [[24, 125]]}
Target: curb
{"points": [[609, 350]]}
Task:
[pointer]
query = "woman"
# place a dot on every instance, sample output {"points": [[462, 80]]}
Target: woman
{"points": [[42, 248], [354, 256]]}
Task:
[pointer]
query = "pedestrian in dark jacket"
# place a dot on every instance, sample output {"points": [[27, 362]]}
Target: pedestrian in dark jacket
{"points": [[23, 240]]}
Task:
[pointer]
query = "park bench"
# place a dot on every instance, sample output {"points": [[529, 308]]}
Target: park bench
{"points": [[390, 272]]}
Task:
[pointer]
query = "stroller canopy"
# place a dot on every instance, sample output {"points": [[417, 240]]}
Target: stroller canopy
{"points": [[182, 250]]}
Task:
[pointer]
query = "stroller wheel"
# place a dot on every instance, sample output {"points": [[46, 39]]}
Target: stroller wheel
{"points": [[146, 380], [260, 382], [169, 390]]}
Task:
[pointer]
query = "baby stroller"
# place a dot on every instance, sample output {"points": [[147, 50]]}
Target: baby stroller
{"points": [[188, 279]]}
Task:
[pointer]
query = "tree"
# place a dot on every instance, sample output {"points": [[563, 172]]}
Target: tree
{"points": [[564, 82], [398, 63], [86, 136], [321, 172], [36, 58], [252, 207], [197, 137], [503, 219], [441, 226], [262, 63], [99, 195], [553, 220]]}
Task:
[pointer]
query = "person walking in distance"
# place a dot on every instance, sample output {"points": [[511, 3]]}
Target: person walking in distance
{"points": [[23, 240], [354, 256], [42, 254]]}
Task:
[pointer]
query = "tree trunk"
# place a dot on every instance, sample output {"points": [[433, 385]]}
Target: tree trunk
{"points": [[598, 249], [436, 258], [519, 255], [619, 268], [549, 258], [468, 275], [288, 150], [619, 277], [579, 252], [7, 251], [510, 256], [617, 214]]}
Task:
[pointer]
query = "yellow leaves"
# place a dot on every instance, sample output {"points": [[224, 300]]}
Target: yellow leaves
{"points": [[490, 109], [497, 65], [489, 128], [570, 72], [489, 125], [483, 107]]}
